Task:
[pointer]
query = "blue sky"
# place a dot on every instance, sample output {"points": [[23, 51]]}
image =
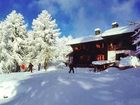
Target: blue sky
{"points": [[76, 17]]}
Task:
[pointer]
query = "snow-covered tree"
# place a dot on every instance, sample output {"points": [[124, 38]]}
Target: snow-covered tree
{"points": [[30, 48], [62, 49], [1, 24], [44, 34], [0, 43], [137, 42], [13, 40]]}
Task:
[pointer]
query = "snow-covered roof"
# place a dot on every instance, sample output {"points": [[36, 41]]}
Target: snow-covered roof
{"points": [[114, 23], [119, 30], [97, 29], [109, 32], [85, 39]]}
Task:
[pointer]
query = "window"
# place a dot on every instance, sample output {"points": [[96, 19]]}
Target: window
{"points": [[100, 57], [138, 44], [84, 47], [85, 58], [76, 48], [101, 45], [98, 46], [81, 58], [112, 46]]}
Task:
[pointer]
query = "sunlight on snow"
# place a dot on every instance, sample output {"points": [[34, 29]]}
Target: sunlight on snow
{"points": [[63, 81], [43, 83], [8, 89], [82, 88], [104, 79], [85, 85]]}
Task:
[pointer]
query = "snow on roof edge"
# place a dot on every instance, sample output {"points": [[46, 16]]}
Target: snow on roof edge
{"points": [[85, 39], [109, 32], [119, 30]]}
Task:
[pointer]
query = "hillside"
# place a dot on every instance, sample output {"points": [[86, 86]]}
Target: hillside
{"points": [[58, 87]]}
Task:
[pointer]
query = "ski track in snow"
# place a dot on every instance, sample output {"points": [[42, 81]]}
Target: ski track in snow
{"points": [[110, 87]]}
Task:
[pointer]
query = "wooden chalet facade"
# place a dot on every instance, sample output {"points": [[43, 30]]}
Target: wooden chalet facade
{"points": [[109, 45]]}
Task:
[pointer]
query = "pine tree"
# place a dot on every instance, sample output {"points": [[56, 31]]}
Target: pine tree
{"points": [[44, 34], [13, 41]]}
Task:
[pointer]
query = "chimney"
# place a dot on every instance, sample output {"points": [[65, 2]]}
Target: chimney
{"points": [[97, 31], [115, 25]]}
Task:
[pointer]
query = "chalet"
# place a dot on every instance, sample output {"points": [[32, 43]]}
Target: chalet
{"points": [[109, 45]]}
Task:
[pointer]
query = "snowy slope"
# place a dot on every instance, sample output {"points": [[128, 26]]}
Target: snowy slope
{"points": [[110, 87]]}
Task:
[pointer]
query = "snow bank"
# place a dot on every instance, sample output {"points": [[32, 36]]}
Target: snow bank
{"points": [[9, 84], [51, 68], [129, 61], [8, 90]]}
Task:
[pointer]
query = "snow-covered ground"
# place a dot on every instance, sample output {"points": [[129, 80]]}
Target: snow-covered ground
{"points": [[110, 87]]}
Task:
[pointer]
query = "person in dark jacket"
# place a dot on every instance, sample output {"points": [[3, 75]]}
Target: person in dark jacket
{"points": [[30, 67], [17, 67], [71, 68], [39, 66]]}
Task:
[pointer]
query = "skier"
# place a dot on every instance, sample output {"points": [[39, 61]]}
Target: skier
{"points": [[71, 67], [17, 67], [30, 67], [39, 66]]}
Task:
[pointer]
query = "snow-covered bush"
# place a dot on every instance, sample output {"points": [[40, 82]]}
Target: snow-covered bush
{"points": [[129, 61]]}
